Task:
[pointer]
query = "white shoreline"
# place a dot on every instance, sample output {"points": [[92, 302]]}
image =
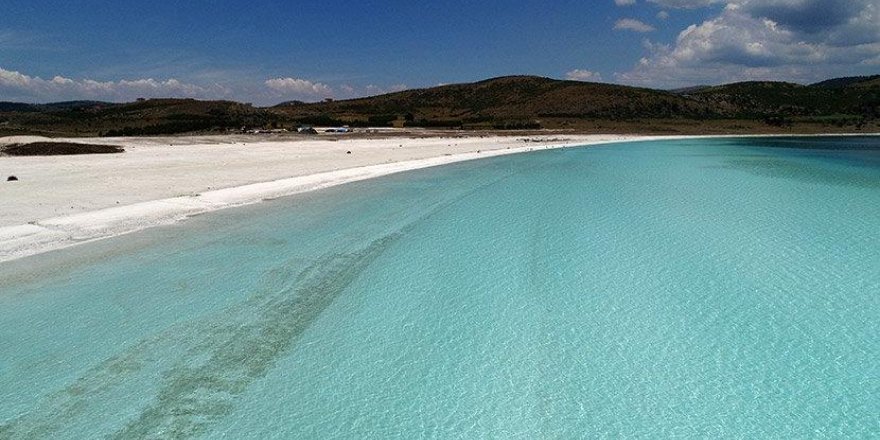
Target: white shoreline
{"points": [[64, 231], [59, 232]]}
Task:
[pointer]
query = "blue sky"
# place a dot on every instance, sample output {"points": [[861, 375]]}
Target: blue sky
{"points": [[271, 51]]}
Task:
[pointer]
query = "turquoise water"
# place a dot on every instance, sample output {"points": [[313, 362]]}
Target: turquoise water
{"points": [[704, 288]]}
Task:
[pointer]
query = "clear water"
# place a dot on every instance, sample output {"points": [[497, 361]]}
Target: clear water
{"points": [[704, 288]]}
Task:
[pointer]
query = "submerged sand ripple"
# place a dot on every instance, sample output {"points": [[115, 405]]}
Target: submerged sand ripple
{"points": [[224, 356]]}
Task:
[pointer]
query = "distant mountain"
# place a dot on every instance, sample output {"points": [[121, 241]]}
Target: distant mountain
{"points": [[501, 102], [751, 100], [852, 81], [511, 102], [16, 107], [687, 90], [290, 103], [67, 105], [72, 105], [504, 100], [144, 117]]}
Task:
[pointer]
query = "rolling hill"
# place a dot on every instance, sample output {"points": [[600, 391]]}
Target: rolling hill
{"points": [[511, 102], [144, 117], [505, 100], [852, 81], [750, 100]]}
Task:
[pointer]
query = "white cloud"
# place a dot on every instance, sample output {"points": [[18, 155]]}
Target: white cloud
{"points": [[624, 2], [583, 75], [349, 91], [685, 4], [17, 86], [22, 86], [301, 88], [373, 90], [663, 15], [629, 24], [794, 40], [13, 79]]}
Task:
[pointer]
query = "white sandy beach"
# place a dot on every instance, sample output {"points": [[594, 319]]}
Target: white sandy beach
{"points": [[60, 201]]}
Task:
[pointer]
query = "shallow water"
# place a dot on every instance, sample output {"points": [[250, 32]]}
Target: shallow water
{"points": [[701, 288]]}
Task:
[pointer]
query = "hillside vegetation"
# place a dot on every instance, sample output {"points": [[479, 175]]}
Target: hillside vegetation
{"points": [[850, 101], [514, 102], [506, 100], [145, 117]]}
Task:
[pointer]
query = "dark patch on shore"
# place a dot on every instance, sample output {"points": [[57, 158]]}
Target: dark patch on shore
{"points": [[58, 149]]}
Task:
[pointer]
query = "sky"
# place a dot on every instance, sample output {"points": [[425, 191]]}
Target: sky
{"points": [[272, 51]]}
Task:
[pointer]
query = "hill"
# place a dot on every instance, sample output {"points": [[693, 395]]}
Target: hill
{"points": [[845, 101], [502, 102], [512, 102], [144, 117], [852, 81]]}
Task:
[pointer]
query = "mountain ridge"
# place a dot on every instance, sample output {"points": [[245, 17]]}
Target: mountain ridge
{"points": [[506, 102]]}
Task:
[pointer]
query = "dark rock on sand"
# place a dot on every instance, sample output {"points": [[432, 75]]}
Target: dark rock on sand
{"points": [[58, 148]]}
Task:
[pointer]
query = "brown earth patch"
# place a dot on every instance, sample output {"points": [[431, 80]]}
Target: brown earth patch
{"points": [[58, 149]]}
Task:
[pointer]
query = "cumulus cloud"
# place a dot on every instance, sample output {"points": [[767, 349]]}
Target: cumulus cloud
{"points": [[22, 86], [347, 91], [624, 2], [13, 79], [797, 40], [300, 88], [583, 75], [630, 24], [663, 15], [18, 86]]}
